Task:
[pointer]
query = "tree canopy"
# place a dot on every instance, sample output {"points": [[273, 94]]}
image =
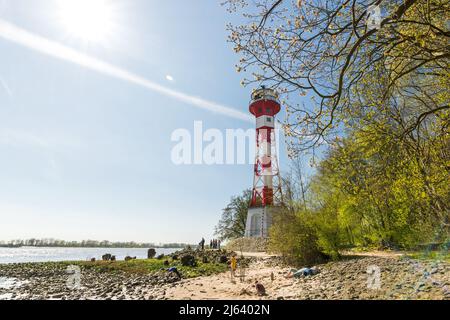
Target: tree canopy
{"points": [[328, 52], [234, 217], [366, 83]]}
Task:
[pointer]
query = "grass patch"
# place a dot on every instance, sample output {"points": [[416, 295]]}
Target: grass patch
{"points": [[148, 266]]}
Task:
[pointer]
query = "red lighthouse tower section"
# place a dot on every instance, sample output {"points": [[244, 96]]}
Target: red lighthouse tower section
{"points": [[266, 183]]}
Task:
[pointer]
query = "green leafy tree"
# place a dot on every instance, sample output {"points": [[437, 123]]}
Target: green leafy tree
{"points": [[376, 100], [293, 236], [321, 54], [234, 217]]}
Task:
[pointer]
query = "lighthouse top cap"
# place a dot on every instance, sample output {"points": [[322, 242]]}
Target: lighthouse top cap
{"points": [[264, 93], [264, 102]]}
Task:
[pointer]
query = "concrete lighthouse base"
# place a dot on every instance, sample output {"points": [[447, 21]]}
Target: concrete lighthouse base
{"points": [[259, 221]]}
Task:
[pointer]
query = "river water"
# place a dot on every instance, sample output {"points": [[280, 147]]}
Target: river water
{"points": [[33, 254]]}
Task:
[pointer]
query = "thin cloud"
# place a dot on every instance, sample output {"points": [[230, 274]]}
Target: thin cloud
{"points": [[38, 43], [6, 87], [18, 138]]}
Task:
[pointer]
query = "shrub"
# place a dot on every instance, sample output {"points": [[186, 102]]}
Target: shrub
{"points": [[294, 236], [188, 260]]}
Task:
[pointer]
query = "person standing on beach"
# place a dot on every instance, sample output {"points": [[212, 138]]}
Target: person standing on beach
{"points": [[233, 265], [202, 244]]}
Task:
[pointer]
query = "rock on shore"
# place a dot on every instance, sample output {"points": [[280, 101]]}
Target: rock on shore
{"points": [[356, 279], [38, 281]]}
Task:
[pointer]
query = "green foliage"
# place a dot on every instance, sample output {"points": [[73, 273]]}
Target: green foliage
{"points": [[293, 236], [382, 193], [376, 100], [234, 217], [329, 233], [372, 189]]}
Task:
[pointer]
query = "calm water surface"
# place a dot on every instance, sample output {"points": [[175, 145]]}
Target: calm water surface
{"points": [[32, 254]]}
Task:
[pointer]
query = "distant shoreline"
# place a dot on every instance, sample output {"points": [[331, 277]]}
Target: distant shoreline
{"points": [[87, 243]]}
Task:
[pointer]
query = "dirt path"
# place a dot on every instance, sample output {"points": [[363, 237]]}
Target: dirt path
{"points": [[261, 255], [379, 254]]}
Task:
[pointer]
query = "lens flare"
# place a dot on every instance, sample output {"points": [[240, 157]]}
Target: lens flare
{"points": [[88, 20]]}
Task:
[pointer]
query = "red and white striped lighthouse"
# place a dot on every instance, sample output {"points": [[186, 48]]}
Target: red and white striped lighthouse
{"points": [[266, 191]]}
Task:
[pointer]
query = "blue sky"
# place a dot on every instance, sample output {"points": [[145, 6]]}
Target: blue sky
{"points": [[87, 156]]}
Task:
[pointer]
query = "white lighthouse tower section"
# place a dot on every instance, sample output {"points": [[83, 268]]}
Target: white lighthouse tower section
{"points": [[266, 193], [265, 124], [265, 121], [259, 221]]}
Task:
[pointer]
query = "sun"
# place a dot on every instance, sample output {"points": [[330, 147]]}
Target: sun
{"points": [[88, 20]]}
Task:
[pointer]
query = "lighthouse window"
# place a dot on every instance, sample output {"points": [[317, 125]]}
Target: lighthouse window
{"points": [[269, 119], [268, 109], [260, 109]]}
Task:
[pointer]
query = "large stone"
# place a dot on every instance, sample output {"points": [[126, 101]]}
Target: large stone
{"points": [[128, 258], [151, 253], [188, 260], [106, 257]]}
